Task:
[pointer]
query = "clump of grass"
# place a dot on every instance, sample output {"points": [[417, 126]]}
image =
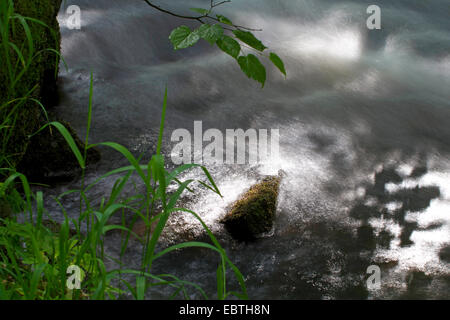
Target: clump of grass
{"points": [[26, 44], [36, 254], [35, 258]]}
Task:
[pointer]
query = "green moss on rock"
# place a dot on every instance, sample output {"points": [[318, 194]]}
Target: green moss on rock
{"points": [[254, 213]]}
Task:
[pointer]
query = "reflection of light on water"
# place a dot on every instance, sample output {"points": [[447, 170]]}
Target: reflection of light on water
{"points": [[422, 255], [393, 206], [433, 231], [273, 164], [405, 169], [341, 44], [395, 46], [437, 212], [445, 65], [368, 83], [331, 36], [211, 207], [441, 179]]}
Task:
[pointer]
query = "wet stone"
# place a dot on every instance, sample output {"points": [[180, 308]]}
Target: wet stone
{"points": [[254, 213]]}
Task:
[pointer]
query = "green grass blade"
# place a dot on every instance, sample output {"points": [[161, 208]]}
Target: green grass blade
{"points": [[88, 129], [19, 53], [32, 291], [28, 34], [140, 287], [220, 282], [127, 154], [161, 129]]}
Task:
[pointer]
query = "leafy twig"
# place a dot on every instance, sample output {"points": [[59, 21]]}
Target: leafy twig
{"points": [[199, 18]]}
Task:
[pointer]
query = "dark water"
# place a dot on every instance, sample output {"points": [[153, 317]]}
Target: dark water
{"points": [[364, 124]]}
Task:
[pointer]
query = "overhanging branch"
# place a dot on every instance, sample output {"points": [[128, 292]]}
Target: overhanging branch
{"points": [[199, 18]]}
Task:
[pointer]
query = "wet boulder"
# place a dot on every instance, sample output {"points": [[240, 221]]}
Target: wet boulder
{"points": [[49, 159], [254, 213]]}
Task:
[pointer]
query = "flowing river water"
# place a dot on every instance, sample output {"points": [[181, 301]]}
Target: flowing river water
{"points": [[364, 137]]}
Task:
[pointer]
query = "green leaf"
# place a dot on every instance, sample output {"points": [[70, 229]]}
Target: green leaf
{"points": [[253, 68], [250, 39], [200, 10], [276, 60], [229, 46], [182, 37], [210, 33], [224, 19]]}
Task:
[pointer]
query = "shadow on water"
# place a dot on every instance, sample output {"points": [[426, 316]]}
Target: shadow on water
{"points": [[409, 200]]}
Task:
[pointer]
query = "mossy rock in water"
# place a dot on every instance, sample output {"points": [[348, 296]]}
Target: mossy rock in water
{"points": [[49, 158], [254, 213]]}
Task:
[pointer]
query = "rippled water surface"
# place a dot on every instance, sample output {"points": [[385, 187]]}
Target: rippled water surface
{"points": [[364, 136]]}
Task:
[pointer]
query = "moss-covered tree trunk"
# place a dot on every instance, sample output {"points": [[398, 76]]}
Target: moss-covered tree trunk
{"points": [[41, 74]]}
